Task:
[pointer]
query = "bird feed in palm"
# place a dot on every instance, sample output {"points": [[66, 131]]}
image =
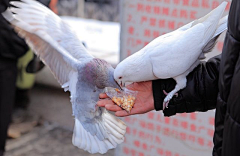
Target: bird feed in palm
{"points": [[124, 99]]}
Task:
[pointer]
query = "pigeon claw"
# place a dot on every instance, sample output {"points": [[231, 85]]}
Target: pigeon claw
{"points": [[164, 92], [168, 98], [165, 104]]}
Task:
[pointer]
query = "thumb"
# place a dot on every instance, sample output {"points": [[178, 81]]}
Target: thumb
{"points": [[103, 96]]}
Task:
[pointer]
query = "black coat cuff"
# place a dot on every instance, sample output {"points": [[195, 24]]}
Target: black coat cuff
{"points": [[158, 95]]}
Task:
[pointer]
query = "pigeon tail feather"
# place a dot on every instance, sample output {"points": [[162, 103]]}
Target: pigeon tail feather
{"points": [[115, 129], [211, 21], [222, 26]]}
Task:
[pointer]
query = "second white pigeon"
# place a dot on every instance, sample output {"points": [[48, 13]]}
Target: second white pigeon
{"points": [[174, 55]]}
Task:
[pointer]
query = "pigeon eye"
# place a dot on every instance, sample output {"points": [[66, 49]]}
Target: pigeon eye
{"points": [[120, 77]]}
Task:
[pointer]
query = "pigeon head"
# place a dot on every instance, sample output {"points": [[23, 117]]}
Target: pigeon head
{"points": [[133, 69], [100, 73], [121, 75], [128, 70]]}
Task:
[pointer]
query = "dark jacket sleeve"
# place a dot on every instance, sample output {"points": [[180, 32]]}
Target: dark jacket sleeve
{"points": [[200, 94], [227, 117], [12, 46], [3, 5]]}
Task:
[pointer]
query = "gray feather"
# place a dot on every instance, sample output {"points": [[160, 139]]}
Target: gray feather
{"points": [[210, 45], [222, 26]]}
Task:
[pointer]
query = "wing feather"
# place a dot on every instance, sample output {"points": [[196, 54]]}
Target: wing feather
{"points": [[50, 52], [37, 15], [64, 54]]}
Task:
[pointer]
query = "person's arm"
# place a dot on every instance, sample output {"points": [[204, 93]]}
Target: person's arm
{"points": [[200, 93]]}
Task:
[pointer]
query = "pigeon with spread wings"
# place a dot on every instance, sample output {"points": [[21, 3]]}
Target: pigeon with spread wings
{"points": [[96, 130]]}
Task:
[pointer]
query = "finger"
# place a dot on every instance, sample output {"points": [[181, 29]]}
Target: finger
{"points": [[134, 111], [102, 103], [103, 95], [137, 110], [122, 113], [113, 108]]}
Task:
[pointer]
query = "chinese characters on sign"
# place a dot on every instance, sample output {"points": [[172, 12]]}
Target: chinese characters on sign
{"points": [[153, 134], [144, 20]]}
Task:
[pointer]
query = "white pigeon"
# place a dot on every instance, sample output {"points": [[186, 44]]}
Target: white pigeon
{"points": [[96, 130], [174, 54]]}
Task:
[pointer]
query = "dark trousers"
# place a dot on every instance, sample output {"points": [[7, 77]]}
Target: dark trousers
{"points": [[8, 74]]}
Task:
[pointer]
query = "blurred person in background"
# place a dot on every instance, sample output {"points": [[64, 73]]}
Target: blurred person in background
{"points": [[12, 48], [212, 84], [53, 6]]}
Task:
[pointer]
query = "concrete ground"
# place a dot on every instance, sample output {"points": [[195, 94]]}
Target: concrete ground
{"points": [[52, 137]]}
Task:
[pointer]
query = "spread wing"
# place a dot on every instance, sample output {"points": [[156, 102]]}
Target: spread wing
{"points": [[35, 14], [60, 62], [57, 46]]}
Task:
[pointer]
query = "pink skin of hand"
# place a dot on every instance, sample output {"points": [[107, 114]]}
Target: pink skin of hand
{"points": [[143, 104]]}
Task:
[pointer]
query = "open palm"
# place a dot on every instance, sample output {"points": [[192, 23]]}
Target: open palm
{"points": [[143, 104]]}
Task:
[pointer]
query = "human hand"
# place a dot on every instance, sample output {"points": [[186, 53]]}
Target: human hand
{"points": [[143, 104]]}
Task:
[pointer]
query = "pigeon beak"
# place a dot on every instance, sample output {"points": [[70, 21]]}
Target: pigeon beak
{"points": [[119, 85], [122, 85]]}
